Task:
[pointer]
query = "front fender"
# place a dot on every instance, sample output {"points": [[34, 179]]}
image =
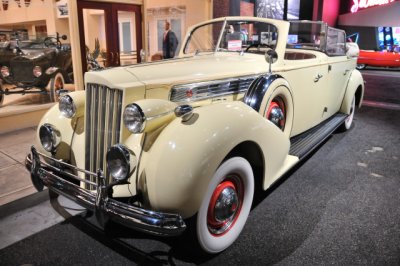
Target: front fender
{"points": [[355, 87], [179, 165]]}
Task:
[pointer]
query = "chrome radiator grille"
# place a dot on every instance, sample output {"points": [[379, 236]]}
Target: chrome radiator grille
{"points": [[22, 70], [102, 125], [204, 90]]}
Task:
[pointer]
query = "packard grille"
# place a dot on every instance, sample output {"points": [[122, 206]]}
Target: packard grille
{"points": [[103, 126]]}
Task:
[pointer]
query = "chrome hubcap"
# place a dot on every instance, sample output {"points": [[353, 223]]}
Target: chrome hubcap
{"points": [[276, 113], [276, 116], [224, 207]]}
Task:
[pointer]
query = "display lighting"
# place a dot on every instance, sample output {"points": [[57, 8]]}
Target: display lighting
{"points": [[357, 4]]}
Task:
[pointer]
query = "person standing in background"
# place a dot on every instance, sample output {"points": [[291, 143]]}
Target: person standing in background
{"points": [[170, 42]]}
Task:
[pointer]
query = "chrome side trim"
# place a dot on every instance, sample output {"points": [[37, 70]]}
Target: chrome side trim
{"points": [[210, 89], [152, 222], [257, 90]]}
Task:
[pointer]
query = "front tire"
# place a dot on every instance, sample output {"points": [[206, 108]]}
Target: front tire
{"points": [[226, 205], [55, 85]]}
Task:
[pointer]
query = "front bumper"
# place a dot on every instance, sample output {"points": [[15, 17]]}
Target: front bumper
{"points": [[42, 173]]}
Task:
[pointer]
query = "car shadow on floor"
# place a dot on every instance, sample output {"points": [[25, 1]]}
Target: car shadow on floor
{"points": [[128, 243]]}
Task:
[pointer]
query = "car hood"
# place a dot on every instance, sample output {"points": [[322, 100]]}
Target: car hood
{"points": [[33, 54], [198, 68]]}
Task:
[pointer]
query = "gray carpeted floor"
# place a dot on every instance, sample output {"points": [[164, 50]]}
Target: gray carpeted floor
{"points": [[340, 207]]}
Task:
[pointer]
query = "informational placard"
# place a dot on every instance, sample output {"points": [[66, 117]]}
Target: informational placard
{"points": [[235, 45]]}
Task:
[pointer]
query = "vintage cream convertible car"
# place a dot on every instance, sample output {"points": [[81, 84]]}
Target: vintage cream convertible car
{"points": [[183, 142]]}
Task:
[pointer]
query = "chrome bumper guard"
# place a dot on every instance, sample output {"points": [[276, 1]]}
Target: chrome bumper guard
{"points": [[156, 223]]}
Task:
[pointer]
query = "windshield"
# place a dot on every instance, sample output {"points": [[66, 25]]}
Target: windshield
{"points": [[307, 35], [316, 36], [232, 36]]}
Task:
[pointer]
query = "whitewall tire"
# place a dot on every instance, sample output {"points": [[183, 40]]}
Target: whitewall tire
{"points": [[349, 120], [226, 205]]}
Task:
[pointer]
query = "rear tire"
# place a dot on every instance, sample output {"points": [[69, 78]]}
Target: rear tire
{"points": [[349, 120], [55, 85], [226, 205]]}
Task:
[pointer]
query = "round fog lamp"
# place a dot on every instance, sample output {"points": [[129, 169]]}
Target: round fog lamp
{"points": [[120, 161], [37, 71], [67, 106], [50, 137], [134, 118], [5, 71]]}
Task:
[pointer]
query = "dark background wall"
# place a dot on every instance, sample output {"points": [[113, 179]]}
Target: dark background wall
{"points": [[368, 36]]}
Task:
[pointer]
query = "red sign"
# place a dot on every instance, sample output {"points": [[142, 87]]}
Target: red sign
{"points": [[357, 4]]}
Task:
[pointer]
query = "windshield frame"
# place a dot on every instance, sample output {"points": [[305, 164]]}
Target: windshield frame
{"points": [[222, 32]]}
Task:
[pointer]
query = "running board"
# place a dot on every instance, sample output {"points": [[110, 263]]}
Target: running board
{"points": [[301, 145]]}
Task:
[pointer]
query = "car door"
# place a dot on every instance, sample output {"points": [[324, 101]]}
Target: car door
{"points": [[309, 81], [339, 69]]}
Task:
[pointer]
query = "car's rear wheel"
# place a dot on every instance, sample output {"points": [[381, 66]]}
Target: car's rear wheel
{"points": [[226, 205], [349, 120], [56, 84], [361, 66], [276, 112]]}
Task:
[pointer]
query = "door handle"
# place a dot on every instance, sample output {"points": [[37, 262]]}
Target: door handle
{"points": [[346, 71], [318, 77]]}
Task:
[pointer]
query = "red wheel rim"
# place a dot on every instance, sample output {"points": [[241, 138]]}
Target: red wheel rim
{"points": [[277, 106], [225, 205]]}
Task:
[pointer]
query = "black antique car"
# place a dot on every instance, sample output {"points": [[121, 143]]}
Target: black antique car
{"points": [[36, 67]]}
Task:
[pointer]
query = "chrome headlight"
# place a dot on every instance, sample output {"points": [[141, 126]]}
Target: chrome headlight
{"points": [[50, 137], [37, 71], [67, 106], [5, 71], [120, 162], [134, 118]]}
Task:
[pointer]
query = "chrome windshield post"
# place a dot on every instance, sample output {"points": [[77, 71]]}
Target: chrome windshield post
{"points": [[220, 36]]}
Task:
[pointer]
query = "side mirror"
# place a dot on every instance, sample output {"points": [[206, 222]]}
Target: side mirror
{"points": [[271, 56]]}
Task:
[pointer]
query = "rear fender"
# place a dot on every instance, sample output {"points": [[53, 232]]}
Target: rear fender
{"points": [[355, 87], [176, 170]]}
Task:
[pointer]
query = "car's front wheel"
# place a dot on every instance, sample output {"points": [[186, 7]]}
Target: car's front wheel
{"points": [[56, 84], [226, 205]]}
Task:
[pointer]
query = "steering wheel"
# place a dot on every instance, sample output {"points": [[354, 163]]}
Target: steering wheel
{"points": [[50, 42], [258, 45]]}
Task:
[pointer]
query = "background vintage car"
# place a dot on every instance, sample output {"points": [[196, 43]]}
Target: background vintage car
{"points": [[378, 59], [185, 142], [36, 67]]}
